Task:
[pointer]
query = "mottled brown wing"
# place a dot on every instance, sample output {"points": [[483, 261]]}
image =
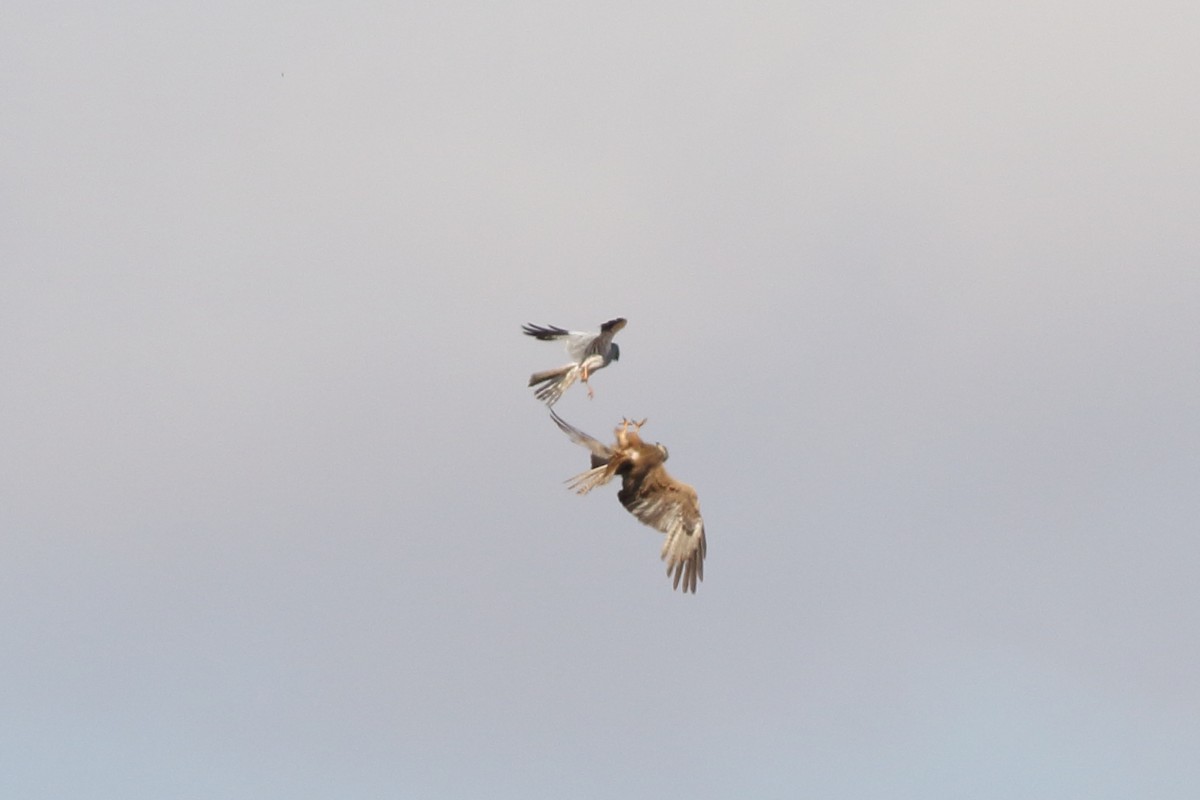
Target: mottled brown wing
{"points": [[670, 506]]}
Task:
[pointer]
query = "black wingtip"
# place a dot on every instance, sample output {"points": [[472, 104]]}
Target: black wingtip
{"points": [[614, 325], [545, 333]]}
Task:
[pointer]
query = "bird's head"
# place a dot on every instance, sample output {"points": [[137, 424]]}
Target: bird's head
{"points": [[662, 448]]}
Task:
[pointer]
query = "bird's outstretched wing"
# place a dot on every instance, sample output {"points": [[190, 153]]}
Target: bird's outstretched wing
{"points": [[602, 457], [601, 341], [598, 449], [670, 506]]}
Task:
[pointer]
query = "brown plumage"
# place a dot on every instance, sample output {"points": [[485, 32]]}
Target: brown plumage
{"points": [[649, 493]]}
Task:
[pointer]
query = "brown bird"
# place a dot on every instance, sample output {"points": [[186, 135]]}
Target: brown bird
{"points": [[649, 493], [589, 352]]}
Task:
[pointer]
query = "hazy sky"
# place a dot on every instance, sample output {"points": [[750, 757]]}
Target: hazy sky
{"points": [[912, 294]]}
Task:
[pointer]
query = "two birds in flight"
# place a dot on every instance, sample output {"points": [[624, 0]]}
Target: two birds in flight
{"points": [[647, 490]]}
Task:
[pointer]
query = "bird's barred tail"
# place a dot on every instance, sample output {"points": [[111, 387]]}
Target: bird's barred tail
{"points": [[584, 482], [553, 382]]}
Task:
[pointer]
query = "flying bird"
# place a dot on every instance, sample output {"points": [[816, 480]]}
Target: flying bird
{"points": [[589, 352], [649, 493]]}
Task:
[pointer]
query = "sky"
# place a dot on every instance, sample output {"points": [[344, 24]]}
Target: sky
{"points": [[912, 295]]}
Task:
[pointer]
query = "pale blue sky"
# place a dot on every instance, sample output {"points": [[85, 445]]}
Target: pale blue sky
{"points": [[912, 295]]}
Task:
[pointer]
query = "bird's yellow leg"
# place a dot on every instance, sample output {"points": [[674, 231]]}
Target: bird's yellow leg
{"points": [[591, 394]]}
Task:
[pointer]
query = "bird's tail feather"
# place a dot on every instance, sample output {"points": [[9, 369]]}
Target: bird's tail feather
{"points": [[584, 482], [549, 374], [553, 383]]}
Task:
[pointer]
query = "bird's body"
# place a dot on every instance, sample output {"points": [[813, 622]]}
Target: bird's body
{"points": [[649, 493], [588, 351]]}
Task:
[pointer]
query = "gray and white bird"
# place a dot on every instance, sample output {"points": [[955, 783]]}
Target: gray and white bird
{"points": [[588, 351], [649, 493]]}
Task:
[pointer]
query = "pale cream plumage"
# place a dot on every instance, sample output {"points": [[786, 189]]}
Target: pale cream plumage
{"points": [[649, 493]]}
